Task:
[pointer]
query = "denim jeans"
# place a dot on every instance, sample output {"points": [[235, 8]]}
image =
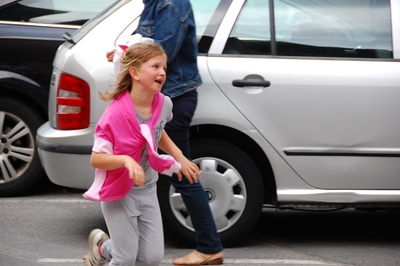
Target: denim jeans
{"points": [[195, 199]]}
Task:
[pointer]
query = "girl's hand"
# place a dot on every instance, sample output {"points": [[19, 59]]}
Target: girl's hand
{"points": [[110, 55], [190, 170], [136, 172]]}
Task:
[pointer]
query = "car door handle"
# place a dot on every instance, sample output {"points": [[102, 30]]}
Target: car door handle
{"points": [[250, 83]]}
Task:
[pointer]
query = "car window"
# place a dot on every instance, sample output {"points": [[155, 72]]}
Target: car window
{"points": [[203, 11], [329, 28], [71, 12], [79, 34], [251, 32], [208, 15]]}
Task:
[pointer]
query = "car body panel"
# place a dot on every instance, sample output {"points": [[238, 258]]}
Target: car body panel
{"points": [[348, 120], [73, 147]]}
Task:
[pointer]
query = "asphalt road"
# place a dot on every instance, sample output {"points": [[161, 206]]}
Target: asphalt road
{"points": [[51, 228]]}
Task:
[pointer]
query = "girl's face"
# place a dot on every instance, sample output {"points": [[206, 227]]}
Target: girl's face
{"points": [[152, 73]]}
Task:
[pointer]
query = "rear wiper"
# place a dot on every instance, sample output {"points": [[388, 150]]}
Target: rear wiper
{"points": [[68, 38], [353, 50]]}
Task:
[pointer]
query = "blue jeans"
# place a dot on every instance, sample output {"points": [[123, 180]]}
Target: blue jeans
{"points": [[193, 195], [195, 199]]}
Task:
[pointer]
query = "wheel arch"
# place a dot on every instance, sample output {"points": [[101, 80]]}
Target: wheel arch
{"points": [[29, 93], [245, 143]]}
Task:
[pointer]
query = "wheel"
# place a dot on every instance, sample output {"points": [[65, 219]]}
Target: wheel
{"points": [[234, 189], [20, 166]]}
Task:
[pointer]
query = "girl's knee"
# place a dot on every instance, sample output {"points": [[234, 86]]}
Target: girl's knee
{"points": [[153, 259], [151, 262], [124, 262]]}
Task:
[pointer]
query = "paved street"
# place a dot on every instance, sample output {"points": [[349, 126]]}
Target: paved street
{"points": [[51, 229]]}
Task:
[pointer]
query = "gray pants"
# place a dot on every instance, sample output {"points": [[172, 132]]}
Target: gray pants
{"points": [[135, 227]]}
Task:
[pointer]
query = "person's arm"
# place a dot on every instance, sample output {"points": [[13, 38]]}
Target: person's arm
{"points": [[189, 169], [111, 162]]}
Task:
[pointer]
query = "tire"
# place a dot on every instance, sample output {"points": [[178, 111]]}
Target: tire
{"points": [[233, 185], [20, 166]]}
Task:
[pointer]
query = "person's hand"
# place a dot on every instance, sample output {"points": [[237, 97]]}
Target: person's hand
{"points": [[136, 172], [110, 55], [190, 170]]}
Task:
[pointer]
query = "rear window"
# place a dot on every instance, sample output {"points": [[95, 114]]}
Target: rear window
{"points": [[79, 34]]}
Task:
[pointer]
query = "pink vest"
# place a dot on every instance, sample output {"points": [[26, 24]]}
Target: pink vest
{"points": [[119, 132]]}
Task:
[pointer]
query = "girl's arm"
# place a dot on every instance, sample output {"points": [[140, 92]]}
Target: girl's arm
{"points": [[189, 169], [111, 162]]}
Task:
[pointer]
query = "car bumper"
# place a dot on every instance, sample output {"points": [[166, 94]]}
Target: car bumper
{"points": [[65, 155]]}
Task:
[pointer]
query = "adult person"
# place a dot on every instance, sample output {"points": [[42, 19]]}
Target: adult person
{"points": [[171, 23]]}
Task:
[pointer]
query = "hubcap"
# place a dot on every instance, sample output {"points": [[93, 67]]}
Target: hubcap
{"points": [[225, 191], [16, 148]]}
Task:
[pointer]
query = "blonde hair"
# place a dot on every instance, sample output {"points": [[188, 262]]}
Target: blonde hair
{"points": [[134, 56]]}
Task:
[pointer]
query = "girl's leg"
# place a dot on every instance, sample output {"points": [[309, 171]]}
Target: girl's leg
{"points": [[151, 243], [135, 228], [121, 219]]}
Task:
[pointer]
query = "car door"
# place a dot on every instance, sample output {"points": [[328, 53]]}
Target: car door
{"points": [[332, 108]]}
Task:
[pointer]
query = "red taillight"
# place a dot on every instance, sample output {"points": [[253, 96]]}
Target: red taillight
{"points": [[73, 103]]}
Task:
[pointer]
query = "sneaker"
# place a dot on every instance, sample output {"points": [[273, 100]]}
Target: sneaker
{"points": [[93, 258]]}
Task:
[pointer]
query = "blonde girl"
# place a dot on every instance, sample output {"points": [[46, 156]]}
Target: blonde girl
{"points": [[127, 164]]}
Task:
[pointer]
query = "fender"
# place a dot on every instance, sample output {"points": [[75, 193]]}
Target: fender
{"points": [[15, 84]]}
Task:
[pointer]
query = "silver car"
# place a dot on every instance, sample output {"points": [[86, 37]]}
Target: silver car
{"points": [[299, 107]]}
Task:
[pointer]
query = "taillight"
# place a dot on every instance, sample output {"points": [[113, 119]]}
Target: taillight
{"points": [[73, 103]]}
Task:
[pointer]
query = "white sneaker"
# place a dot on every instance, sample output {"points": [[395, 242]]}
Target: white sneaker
{"points": [[93, 258]]}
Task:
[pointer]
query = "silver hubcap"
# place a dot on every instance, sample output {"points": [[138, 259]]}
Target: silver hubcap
{"points": [[16, 147], [225, 190]]}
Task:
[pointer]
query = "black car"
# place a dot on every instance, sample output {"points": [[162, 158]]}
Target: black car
{"points": [[30, 34]]}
